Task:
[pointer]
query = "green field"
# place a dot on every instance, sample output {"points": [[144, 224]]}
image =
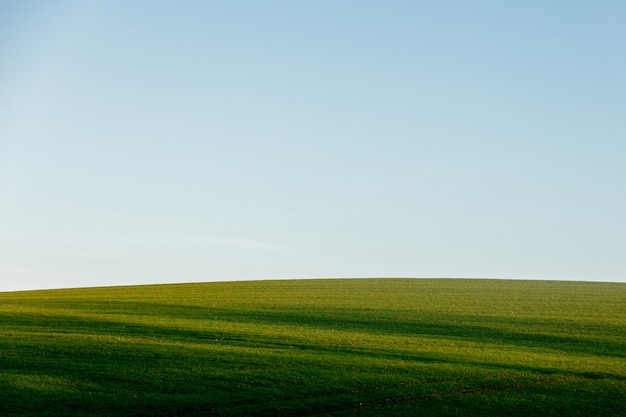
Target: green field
{"points": [[343, 347]]}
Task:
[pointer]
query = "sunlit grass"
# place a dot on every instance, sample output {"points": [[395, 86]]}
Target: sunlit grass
{"points": [[316, 347]]}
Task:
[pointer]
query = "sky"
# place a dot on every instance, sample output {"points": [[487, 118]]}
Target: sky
{"points": [[166, 141]]}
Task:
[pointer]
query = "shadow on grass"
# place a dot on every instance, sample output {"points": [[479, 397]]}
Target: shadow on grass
{"points": [[156, 379], [120, 365], [554, 335]]}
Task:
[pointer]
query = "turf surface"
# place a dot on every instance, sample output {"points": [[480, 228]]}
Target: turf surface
{"points": [[343, 347]]}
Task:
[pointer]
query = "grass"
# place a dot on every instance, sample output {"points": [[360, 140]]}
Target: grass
{"points": [[366, 347]]}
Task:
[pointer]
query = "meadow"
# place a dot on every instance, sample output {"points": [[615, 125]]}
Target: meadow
{"points": [[322, 347]]}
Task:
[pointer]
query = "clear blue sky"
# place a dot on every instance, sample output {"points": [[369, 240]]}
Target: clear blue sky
{"points": [[168, 141]]}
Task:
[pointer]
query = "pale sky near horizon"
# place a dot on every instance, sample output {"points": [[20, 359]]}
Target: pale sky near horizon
{"points": [[167, 141]]}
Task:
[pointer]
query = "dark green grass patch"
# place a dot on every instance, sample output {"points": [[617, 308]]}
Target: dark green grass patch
{"points": [[368, 347]]}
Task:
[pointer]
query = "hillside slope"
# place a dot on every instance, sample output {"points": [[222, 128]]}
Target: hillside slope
{"points": [[369, 347]]}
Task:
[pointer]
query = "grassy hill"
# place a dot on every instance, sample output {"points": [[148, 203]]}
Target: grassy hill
{"points": [[344, 347]]}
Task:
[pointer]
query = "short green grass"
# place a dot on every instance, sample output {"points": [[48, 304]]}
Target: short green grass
{"points": [[343, 347]]}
